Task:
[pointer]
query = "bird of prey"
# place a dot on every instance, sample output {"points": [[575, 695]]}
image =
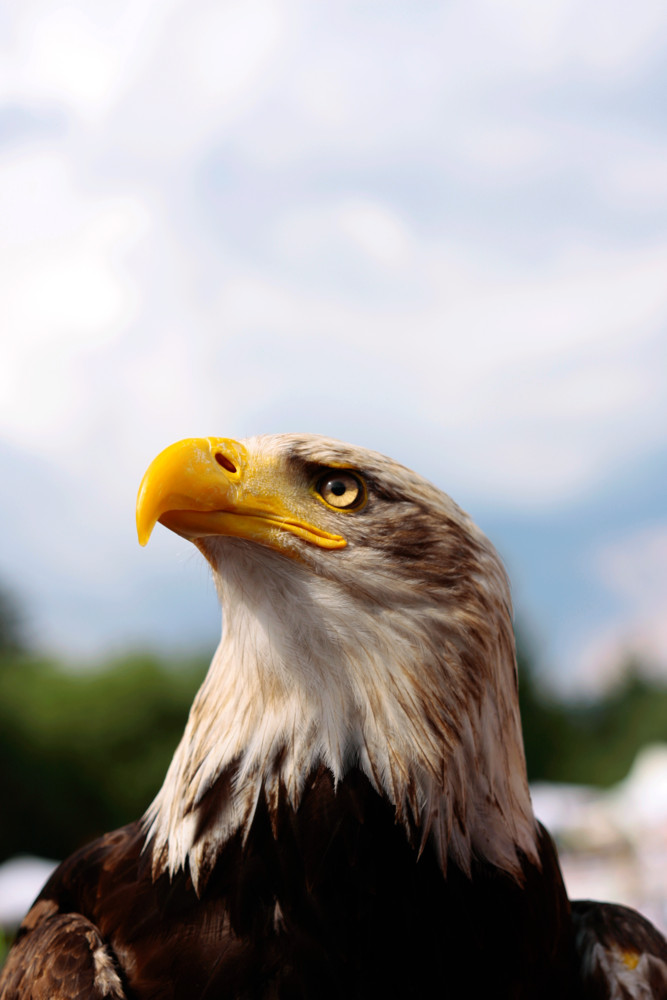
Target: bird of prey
{"points": [[347, 814]]}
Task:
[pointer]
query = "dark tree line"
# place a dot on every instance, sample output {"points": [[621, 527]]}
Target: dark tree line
{"points": [[590, 742]]}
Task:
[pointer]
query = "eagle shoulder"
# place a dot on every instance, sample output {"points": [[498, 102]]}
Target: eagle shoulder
{"points": [[60, 956], [61, 952], [621, 955]]}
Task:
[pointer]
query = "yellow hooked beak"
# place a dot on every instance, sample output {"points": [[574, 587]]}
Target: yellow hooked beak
{"points": [[212, 486]]}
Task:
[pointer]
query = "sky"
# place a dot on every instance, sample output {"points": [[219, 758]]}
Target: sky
{"points": [[435, 229]]}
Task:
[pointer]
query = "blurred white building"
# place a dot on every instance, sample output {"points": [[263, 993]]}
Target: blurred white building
{"points": [[613, 844], [21, 879]]}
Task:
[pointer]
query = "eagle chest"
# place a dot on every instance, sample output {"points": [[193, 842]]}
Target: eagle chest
{"points": [[333, 901]]}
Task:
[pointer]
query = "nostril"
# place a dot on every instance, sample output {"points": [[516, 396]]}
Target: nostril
{"points": [[225, 462]]}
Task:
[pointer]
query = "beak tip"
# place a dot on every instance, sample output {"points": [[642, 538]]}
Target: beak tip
{"points": [[144, 532], [143, 535]]}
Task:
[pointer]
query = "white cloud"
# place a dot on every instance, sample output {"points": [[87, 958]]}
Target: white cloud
{"points": [[74, 55], [640, 181], [563, 35], [64, 292], [350, 217], [634, 570], [542, 385], [543, 381]]}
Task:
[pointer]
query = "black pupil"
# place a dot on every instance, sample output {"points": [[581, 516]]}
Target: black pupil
{"points": [[337, 487]]}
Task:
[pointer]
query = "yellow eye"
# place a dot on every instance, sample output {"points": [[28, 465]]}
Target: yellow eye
{"points": [[341, 489]]}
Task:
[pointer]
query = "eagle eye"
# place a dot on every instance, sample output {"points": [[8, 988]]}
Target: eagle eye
{"points": [[341, 489]]}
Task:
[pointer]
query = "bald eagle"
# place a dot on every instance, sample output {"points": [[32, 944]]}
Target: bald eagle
{"points": [[347, 814]]}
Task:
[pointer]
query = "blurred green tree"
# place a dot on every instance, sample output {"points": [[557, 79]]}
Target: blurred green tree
{"points": [[590, 742], [11, 624], [544, 721], [85, 752]]}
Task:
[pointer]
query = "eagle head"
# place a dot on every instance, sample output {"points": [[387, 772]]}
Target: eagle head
{"points": [[366, 625]]}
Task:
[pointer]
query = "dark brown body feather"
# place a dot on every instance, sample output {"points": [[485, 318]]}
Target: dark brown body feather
{"points": [[336, 905]]}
